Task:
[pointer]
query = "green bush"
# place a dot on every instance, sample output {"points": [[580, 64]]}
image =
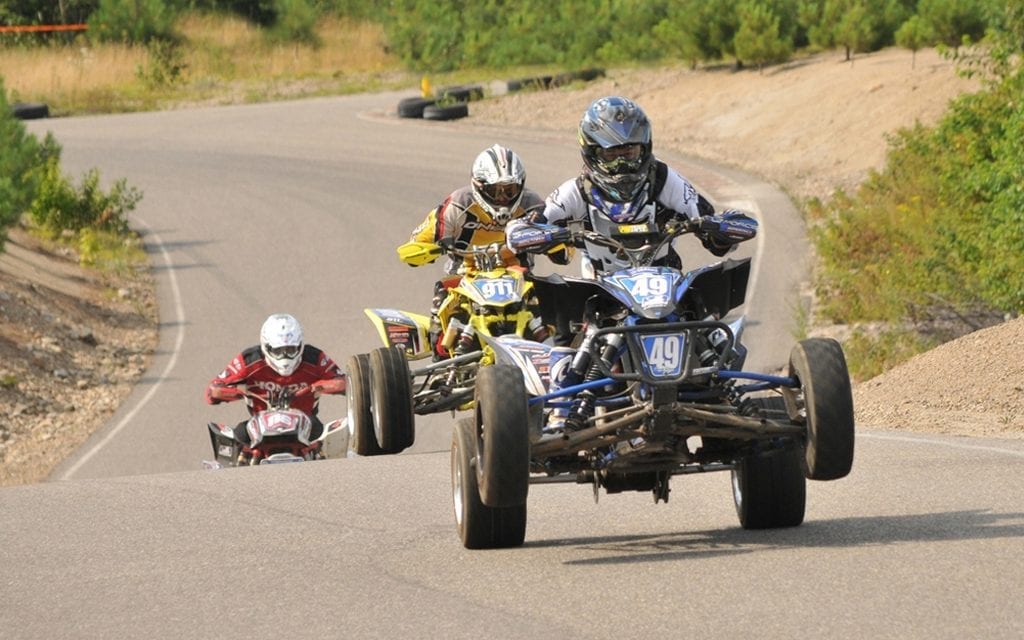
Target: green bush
{"points": [[295, 22], [61, 206], [20, 159], [939, 231], [132, 21]]}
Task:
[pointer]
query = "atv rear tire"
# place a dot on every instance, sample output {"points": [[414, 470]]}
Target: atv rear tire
{"points": [[825, 405], [479, 526], [503, 436], [391, 400], [360, 415]]}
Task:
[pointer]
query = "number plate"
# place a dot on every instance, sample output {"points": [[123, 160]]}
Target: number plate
{"points": [[498, 290], [665, 354]]}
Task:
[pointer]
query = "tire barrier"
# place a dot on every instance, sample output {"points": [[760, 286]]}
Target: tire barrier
{"points": [[413, 107], [450, 102], [462, 92], [538, 83], [450, 112], [30, 110]]}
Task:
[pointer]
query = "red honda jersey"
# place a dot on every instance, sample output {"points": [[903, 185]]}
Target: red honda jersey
{"points": [[251, 369]]}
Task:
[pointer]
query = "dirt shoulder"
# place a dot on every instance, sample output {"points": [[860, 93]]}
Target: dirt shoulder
{"points": [[73, 342]]}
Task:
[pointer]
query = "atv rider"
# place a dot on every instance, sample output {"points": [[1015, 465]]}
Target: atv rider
{"points": [[281, 363], [476, 214], [621, 183]]}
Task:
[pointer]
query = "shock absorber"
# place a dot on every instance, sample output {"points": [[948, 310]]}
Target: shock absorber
{"points": [[465, 343], [467, 340], [583, 407]]}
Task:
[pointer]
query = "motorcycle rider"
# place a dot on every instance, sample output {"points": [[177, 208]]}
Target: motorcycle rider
{"points": [[281, 363], [477, 214]]}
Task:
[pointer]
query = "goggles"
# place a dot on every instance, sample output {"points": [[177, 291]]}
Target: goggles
{"points": [[502, 193], [284, 352], [623, 158]]}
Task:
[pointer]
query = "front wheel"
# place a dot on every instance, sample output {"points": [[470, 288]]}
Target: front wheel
{"points": [[769, 490], [503, 467], [360, 414], [768, 487], [479, 526], [391, 399], [825, 405]]}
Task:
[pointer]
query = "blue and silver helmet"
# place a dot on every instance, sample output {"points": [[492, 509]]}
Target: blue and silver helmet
{"points": [[615, 141]]}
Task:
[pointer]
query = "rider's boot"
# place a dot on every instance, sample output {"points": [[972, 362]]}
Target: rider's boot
{"points": [[434, 331], [539, 332]]}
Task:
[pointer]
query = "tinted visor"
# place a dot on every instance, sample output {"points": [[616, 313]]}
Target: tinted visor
{"points": [[624, 158], [502, 193], [283, 352]]}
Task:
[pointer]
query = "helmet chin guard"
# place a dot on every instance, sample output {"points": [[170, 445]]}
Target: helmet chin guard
{"points": [[502, 215]]}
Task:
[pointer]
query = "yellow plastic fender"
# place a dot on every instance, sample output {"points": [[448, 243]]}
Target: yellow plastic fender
{"points": [[402, 328], [415, 254]]}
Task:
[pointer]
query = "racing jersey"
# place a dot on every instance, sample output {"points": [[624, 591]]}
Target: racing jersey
{"points": [[667, 194], [251, 369], [460, 219]]}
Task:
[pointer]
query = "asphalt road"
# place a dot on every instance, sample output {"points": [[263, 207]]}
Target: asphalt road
{"points": [[298, 207]]}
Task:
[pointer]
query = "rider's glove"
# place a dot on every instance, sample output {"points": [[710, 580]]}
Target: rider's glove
{"points": [[331, 386], [215, 394], [536, 238], [720, 233]]}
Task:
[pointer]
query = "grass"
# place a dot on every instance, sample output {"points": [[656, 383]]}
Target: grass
{"points": [[221, 60]]}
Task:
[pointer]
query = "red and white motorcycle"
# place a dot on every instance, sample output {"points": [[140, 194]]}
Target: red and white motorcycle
{"points": [[277, 434]]}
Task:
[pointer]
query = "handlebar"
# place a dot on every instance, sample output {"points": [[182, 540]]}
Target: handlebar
{"points": [[486, 257], [729, 228], [274, 399]]}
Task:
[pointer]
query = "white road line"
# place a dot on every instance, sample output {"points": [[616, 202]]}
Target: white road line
{"points": [[943, 443], [179, 311]]}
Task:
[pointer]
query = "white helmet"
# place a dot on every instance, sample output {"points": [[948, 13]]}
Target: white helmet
{"points": [[281, 343], [498, 182]]}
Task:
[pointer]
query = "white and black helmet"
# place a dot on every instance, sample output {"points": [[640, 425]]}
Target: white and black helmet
{"points": [[615, 141], [498, 182], [281, 343]]}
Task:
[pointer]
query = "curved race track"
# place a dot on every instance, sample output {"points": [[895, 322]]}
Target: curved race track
{"points": [[298, 207]]}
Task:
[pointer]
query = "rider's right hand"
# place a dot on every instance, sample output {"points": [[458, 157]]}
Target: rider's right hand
{"points": [[225, 393]]}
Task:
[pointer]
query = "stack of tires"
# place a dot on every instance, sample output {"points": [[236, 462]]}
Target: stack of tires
{"points": [[450, 103]]}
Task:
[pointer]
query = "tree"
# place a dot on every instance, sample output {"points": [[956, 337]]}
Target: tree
{"points": [[683, 33], [758, 39], [854, 29], [914, 34], [132, 21], [19, 159], [953, 21]]}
